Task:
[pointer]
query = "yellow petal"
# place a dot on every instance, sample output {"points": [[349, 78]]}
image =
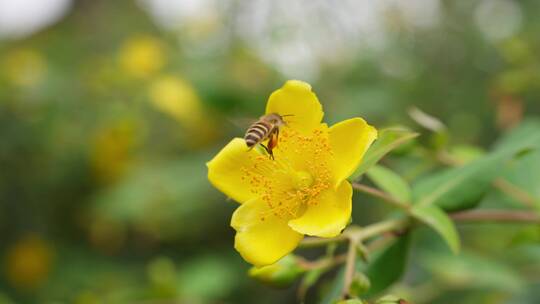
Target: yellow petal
{"points": [[261, 237], [296, 98], [330, 216], [349, 140], [225, 170]]}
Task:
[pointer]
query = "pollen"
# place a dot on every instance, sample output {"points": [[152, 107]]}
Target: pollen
{"points": [[297, 176]]}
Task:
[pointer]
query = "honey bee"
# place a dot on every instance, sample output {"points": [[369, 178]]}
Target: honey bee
{"points": [[266, 128]]}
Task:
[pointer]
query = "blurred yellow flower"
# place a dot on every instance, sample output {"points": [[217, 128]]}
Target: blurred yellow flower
{"points": [[28, 262], [24, 67], [111, 151], [142, 56], [303, 191], [176, 97]]}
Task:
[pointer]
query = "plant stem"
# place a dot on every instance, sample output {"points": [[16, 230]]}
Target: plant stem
{"points": [[475, 215], [378, 228], [515, 192], [500, 183], [397, 224], [349, 267], [358, 233], [324, 263], [356, 236], [316, 241], [495, 216], [380, 194]]}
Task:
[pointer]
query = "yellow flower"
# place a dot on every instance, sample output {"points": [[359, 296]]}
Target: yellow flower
{"points": [[176, 97], [303, 191], [28, 262], [142, 56], [111, 153]]}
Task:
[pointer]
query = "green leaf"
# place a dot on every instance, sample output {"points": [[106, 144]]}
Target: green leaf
{"points": [[388, 140], [525, 172], [334, 290], [310, 278], [390, 182], [281, 274], [526, 134], [437, 219], [390, 299], [473, 271], [462, 187], [427, 121], [388, 265], [351, 301], [466, 153], [524, 175]]}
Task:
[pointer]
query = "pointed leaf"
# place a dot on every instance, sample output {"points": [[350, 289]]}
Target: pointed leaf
{"points": [[462, 187], [388, 140], [470, 270], [437, 219], [334, 291], [390, 182], [388, 266]]}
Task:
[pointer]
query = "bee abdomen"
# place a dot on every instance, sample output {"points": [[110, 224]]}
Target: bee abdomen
{"points": [[257, 133]]}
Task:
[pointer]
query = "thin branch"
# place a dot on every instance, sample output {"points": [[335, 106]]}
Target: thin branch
{"points": [[496, 216], [380, 242], [358, 233], [379, 228], [349, 268], [478, 215], [317, 241], [515, 192], [356, 236], [322, 263], [500, 183], [380, 194]]}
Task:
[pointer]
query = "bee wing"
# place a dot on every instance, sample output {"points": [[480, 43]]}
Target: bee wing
{"points": [[241, 123]]}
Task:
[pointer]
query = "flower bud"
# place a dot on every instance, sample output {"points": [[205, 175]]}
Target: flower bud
{"points": [[280, 274], [359, 285]]}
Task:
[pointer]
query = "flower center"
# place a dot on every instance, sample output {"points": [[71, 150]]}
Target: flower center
{"points": [[297, 176], [303, 180]]}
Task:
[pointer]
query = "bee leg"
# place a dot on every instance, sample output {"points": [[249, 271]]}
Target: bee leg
{"points": [[265, 148], [269, 151], [272, 142]]}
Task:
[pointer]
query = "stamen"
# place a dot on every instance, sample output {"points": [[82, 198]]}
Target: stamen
{"points": [[297, 176]]}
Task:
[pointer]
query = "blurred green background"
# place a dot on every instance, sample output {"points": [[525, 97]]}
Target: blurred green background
{"points": [[110, 109]]}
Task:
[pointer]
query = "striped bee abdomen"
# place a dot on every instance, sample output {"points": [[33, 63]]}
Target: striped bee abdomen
{"points": [[257, 133]]}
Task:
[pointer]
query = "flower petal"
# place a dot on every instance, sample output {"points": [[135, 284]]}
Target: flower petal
{"points": [[349, 140], [261, 237], [224, 170], [296, 98], [329, 216]]}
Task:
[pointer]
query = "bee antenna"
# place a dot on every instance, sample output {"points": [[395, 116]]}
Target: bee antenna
{"points": [[287, 115]]}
